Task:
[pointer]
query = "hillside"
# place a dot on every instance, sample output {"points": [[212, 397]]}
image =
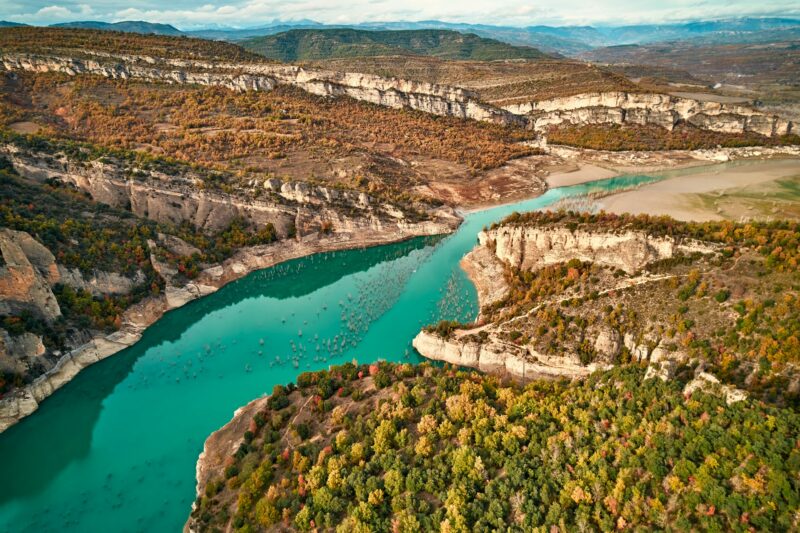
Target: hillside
{"points": [[131, 26], [313, 44], [566, 293], [75, 42], [411, 448]]}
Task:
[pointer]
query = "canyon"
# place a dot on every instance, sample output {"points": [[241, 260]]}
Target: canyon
{"points": [[307, 219], [590, 108]]}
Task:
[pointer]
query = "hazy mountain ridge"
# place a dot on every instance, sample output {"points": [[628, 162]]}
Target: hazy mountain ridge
{"points": [[310, 44], [569, 40]]}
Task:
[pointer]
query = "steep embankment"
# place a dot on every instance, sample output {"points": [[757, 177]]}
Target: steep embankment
{"points": [[580, 292], [582, 109], [305, 219], [647, 109], [526, 248]]}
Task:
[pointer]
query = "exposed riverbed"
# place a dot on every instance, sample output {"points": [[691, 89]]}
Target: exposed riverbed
{"points": [[115, 449]]}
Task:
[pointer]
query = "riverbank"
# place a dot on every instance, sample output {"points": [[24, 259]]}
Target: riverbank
{"points": [[698, 197], [594, 165], [25, 401]]}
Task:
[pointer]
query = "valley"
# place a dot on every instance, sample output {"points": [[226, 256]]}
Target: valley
{"points": [[189, 224]]}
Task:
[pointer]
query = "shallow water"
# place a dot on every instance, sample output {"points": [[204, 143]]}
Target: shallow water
{"points": [[115, 449]]}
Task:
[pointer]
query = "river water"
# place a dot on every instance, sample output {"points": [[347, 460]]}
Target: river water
{"points": [[115, 449]]}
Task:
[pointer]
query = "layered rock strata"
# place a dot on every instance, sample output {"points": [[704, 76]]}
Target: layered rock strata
{"points": [[614, 107], [532, 248]]}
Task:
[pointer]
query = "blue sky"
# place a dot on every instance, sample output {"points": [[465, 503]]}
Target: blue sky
{"points": [[189, 14]]}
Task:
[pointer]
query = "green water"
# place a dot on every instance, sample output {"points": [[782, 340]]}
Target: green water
{"points": [[115, 449]]}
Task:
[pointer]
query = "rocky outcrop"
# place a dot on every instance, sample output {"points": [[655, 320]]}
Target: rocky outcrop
{"points": [[648, 108], [390, 92], [497, 357], [706, 382], [531, 247], [290, 207], [614, 107], [485, 271], [26, 273]]}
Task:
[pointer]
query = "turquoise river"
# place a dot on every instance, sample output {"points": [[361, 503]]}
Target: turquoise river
{"points": [[115, 449]]}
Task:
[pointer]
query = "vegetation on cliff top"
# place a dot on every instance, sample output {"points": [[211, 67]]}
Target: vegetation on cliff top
{"points": [[736, 310], [650, 137], [312, 44], [284, 132], [410, 448]]}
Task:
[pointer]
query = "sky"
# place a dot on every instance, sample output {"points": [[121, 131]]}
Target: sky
{"points": [[194, 14]]}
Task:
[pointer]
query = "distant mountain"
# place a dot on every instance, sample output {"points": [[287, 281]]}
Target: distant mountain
{"points": [[568, 40], [315, 44], [8, 24], [231, 34], [731, 31], [131, 26]]}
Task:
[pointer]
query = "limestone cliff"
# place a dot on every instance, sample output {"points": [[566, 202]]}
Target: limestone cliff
{"points": [[498, 357], [531, 247], [590, 108], [390, 92], [291, 207], [648, 108]]}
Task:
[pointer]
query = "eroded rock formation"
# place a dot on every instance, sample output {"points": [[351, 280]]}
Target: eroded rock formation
{"points": [[531, 248], [590, 108], [648, 108]]}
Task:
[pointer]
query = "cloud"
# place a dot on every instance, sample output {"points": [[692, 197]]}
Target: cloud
{"points": [[54, 13], [188, 14]]}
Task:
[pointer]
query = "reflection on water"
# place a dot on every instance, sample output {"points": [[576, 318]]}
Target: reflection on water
{"points": [[117, 446]]}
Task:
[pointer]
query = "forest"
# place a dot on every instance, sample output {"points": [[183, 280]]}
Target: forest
{"points": [[684, 136], [405, 448]]}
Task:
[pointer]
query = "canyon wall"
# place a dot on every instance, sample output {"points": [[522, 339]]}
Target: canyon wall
{"points": [[389, 92], [291, 207], [308, 219], [590, 108], [648, 108], [531, 247]]}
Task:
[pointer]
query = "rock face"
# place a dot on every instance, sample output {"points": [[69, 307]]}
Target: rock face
{"points": [[648, 108], [25, 276], [485, 271], [390, 92], [590, 108], [709, 383], [498, 357], [352, 233], [531, 248], [293, 207]]}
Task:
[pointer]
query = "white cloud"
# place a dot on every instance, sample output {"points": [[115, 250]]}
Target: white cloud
{"points": [[188, 14]]}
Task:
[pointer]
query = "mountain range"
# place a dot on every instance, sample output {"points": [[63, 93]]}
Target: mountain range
{"points": [[567, 40]]}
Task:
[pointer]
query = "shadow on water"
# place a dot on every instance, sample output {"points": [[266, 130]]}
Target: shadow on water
{"points": [[31, 462]]}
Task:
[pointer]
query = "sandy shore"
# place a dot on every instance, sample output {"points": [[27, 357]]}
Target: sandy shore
{"points": [[677, 196], [583, 174]]}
